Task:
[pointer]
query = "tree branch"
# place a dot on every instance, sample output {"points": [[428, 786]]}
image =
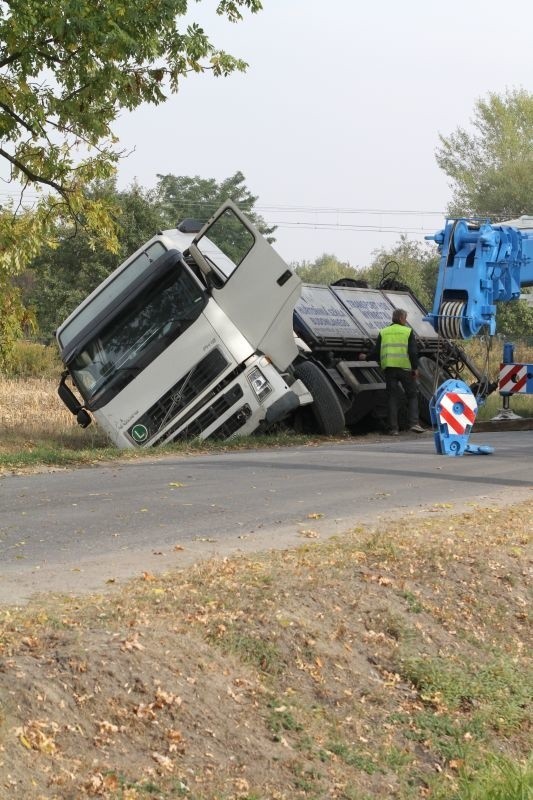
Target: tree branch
{"points": [[9, 111], [46, 55], [10, 59], [32, 176]]}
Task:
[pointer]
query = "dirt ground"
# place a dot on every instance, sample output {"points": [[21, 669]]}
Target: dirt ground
{"points": [[389, 662]]}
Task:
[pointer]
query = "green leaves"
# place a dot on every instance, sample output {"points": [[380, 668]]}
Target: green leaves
{"points": [[491, 165], [325, 270], [183, 196], [231, 8], [70, 66]]}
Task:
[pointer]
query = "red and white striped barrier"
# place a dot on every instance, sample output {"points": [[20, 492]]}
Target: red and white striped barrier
{"points": [[513, 378], [458, 410]]}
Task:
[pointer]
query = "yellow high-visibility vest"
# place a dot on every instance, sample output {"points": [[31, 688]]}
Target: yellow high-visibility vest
{"points": [[393, 351]]}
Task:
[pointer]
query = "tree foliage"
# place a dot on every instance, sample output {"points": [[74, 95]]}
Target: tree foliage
{"points": [[515, 319], [67, 69], [413, 264], [491, 165], [182, 197], [325, 270]]}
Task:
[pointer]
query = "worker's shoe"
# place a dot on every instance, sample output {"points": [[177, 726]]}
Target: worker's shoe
{"points": [[393, 433], [417, 429]]}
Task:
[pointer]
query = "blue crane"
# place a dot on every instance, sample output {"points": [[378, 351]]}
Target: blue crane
{"points": [[480, 265]]}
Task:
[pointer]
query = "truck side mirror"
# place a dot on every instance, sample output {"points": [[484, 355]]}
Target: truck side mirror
{"points": [[68, 397], [83, 418]]}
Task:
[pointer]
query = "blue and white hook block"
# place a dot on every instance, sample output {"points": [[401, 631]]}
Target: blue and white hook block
{"points": [[453, 410]]}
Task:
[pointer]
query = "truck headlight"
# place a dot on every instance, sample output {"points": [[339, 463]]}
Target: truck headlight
{"points": [[259, 384]]}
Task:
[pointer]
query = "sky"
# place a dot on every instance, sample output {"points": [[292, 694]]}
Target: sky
{"points": [[336, 122]]}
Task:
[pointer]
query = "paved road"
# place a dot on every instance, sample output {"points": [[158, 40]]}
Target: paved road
{"points": [[83, 529]]}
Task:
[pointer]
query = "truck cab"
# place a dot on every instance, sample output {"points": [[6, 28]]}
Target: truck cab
{"points": [[190, 337]]}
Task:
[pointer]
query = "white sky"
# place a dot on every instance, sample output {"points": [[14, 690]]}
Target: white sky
{"points": [[338, 114]]}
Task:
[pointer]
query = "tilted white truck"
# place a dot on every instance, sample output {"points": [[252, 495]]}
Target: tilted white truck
{"points": [[190, 337], [206, 332]]}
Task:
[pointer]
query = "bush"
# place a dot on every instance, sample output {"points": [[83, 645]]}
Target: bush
{"points": [[34, 360]]}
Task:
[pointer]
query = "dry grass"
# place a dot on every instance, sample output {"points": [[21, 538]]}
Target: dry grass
{"points": [[487, 355], [31, 413], [33, 404]]}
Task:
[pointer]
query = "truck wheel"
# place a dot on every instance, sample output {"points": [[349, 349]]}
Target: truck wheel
{"points": [[326, 408]]}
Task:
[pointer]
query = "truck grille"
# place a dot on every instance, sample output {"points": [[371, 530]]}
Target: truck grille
{"points": [[229, 426], [233, 423], [178, 397], [211, 414]]}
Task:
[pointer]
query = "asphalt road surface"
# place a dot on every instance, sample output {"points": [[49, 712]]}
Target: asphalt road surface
{"points": [[80, 530]]}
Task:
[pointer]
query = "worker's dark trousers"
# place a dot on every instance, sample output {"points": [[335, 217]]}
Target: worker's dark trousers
{"points": [[395, 380]]}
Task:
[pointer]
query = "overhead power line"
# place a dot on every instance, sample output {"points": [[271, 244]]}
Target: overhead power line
{"points": [[329, 226], [337, 210]]}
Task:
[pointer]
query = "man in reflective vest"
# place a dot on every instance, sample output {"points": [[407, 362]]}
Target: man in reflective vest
{"points": [[397, 354]]}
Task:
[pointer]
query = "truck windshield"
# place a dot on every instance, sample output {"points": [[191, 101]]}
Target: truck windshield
{"points": [[136, 335]]}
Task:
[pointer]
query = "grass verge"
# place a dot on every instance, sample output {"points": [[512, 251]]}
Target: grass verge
{"points": [[390, 662]]}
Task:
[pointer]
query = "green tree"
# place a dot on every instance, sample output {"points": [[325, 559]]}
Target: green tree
{"points": [[491, 165], [407, 263], [68, 67], [198, 198], [515, 319], [325, 270]]}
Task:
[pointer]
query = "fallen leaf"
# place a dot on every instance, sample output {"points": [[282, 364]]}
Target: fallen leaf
{"points": [[132, 643], [456, 763], [164, 761], [24, 741]]}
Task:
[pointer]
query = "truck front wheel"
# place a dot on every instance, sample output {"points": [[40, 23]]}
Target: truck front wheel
{"points": [[326, 410]]}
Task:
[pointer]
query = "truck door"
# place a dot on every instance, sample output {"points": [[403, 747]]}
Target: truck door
{"points": [[251, 282]]}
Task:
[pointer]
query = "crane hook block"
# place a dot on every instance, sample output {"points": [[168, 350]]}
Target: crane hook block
{"points": [[453, 410]]}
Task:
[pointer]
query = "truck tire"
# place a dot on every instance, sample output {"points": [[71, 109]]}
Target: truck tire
{"points": [[326, 409]]}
